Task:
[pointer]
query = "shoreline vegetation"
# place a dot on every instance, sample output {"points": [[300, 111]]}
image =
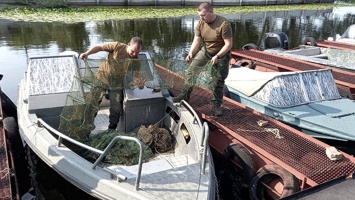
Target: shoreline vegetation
{"points": [[92, 13]]}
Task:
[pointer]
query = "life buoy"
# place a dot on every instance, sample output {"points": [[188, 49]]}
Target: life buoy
{"points": [[11, 127], [245, 159], [344, 92], [309, 41], [245, 63], [266, 175]]}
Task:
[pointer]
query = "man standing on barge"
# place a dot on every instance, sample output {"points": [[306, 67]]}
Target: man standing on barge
{"points": [[216, 34]]}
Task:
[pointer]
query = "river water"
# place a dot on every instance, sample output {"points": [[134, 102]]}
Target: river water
{"points": [[166, 37]]}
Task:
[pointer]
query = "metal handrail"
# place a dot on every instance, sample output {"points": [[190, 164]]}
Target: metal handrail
{"points": [[113, 141], [62, 136], [206, 133], [102, 153], [196, 118]]}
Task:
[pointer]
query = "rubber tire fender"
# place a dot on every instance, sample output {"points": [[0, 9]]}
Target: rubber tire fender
{"points": [[249, 46], [309, 41], [266, 174], [242, 154], [11, 127]]}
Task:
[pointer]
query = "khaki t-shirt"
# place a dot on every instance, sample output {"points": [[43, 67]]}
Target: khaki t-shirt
{"points": [[113, 70], [213, 33]]}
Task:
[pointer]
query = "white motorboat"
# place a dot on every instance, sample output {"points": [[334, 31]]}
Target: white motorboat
{"points": [[347, 37], [306, 100], [185, 172]]}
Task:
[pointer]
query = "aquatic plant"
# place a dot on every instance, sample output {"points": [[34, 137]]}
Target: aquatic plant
{"points": [[84, 14]]}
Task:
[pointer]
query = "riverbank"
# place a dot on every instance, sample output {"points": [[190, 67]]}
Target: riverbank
{"points": [[97, 13], [167, 2]]}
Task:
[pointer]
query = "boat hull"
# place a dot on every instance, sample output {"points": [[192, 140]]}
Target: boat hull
{"points": [[185, 173]]}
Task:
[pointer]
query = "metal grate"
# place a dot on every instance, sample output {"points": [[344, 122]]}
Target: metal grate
{"points": [[288, 145]]}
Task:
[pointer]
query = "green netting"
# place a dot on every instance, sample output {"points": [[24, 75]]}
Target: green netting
{"points": [[94, 77], [83, 104], [123, 152], [205, 77]]}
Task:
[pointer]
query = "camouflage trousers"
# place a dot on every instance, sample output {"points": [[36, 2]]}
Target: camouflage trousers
{"points": [[219, 73]]}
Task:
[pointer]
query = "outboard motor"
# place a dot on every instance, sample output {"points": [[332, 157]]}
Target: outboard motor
{"points": [[276, 40]]}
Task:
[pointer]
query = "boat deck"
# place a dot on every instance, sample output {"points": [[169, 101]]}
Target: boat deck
{"points": [[344, 79], [336, 45], [167, 164], [301, 155]]}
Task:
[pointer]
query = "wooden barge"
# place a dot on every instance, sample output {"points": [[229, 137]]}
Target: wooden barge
{"points": [[14, 175], [275, 156], [335, 45], [6, 173]]}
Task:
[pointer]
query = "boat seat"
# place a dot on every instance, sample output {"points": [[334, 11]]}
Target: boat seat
{"points": [[47, 105]]}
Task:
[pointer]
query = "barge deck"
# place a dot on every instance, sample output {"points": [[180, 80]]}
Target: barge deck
{"points": [[276, 143], [336, 45]]}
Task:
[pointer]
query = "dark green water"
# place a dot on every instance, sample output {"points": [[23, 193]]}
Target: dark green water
{"points": [[163, 37]]}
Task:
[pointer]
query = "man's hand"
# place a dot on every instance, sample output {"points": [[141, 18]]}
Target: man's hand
{"points": [[83, 56], [214, 60], [188, 58], [140, 82]]}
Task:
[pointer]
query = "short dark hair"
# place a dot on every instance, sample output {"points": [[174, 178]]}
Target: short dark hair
{"points": [[137, 40], [205, 6]]}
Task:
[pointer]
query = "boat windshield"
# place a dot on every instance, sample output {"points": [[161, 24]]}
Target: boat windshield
{"points": [[299, 88]]}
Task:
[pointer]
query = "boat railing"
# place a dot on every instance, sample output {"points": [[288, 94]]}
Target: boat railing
{"points": [[204, 135], [196, 118], [103, 153]]}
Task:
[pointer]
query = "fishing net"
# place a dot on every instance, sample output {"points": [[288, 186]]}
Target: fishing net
{"points": [[83, 101], [123, 152], [158, 139], [83, 104], [90, 85]]}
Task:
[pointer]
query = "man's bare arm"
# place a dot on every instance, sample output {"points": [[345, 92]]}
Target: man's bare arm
{"points": [[195, 46], [92, 50], [228, 42]]}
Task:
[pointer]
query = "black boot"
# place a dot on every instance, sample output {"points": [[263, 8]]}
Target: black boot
{"points": [[180, 98], [185, 95]]}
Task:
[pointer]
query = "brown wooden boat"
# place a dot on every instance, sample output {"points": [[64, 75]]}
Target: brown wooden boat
{"points": [[276, 159]]}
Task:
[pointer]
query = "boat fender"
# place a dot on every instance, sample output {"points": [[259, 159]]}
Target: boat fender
{"points": [[245, 63], [11, 128], [266, 174], [250, 46], [245, 159], [309, 41]]}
